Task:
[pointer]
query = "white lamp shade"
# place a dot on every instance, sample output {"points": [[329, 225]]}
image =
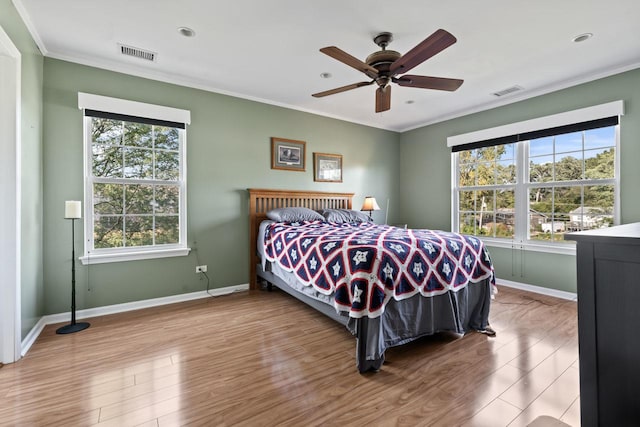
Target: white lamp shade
{"points": [[370, 204], [72, 209]]}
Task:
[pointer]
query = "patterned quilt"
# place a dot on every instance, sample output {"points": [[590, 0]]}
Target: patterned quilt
{"points": [[363, 266]]}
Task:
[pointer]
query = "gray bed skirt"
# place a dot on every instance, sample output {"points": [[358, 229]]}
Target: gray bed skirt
{"points": [[402, 321]]}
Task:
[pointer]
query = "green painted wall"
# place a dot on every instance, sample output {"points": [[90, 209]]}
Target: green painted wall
{"points": [[228, 151], [425, 170], [32, 302]]}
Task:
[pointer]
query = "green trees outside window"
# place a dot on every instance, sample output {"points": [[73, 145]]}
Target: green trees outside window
{"points": [[135, 184], [568, 184]]}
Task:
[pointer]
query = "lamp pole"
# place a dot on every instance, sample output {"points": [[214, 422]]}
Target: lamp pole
{"points": [[72, 212]]}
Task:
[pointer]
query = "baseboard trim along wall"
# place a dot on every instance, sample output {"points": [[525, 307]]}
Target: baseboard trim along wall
{"points": [[537, 289], [137, 305], [121, 308]]}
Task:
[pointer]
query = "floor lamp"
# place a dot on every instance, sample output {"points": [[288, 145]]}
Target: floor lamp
{"points": [[73, 211]]}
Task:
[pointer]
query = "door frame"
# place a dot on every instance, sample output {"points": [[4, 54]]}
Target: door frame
{"points": [[10, 197]]}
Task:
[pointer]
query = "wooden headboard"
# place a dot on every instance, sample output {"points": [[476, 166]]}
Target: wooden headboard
{"points": [[261, 201]]}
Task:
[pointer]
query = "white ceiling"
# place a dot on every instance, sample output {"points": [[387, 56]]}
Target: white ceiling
{"points": [[267, 50]]}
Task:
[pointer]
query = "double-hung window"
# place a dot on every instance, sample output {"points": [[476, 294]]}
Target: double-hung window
{"points": [[135, 180], [554, 175]]}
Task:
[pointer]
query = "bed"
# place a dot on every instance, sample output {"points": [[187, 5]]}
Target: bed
{"points": [[386, 285]]}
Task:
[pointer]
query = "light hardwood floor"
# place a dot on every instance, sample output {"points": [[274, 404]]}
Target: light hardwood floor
{"points": [[259, 358]]}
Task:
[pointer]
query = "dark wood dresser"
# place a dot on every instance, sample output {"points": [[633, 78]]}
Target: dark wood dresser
{"points": [[608, 262]]}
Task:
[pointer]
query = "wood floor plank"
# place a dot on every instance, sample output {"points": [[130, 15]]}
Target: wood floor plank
{"points": [[554, 401], [263, 358], [497, 414], [530, 386]]}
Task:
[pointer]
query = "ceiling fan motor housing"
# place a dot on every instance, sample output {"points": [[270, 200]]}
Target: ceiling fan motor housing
{"points": [[382, 61]]}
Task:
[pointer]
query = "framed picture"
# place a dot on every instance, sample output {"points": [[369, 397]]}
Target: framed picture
{"points": [[287, 154], [327, 167]]}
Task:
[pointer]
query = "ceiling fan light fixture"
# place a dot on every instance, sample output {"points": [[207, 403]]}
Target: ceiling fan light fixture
{"points": [[582, 37]]}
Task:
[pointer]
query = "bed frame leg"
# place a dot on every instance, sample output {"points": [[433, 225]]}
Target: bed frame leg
{"points": [[361, 344]]}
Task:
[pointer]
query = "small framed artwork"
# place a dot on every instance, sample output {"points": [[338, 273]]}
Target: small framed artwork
{"points": [[287, 154], [327, 167]]}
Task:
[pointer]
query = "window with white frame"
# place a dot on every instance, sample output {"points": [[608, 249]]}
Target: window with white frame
{"points": [[534, 186], [135, 180]]}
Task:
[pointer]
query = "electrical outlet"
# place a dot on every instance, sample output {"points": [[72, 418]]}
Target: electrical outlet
{"points": [[201, 269]]}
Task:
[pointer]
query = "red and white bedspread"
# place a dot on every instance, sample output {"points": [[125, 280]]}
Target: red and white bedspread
{"points": [[365, 265]]}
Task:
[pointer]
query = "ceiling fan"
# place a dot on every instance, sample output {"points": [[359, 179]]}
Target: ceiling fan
{"points": [[383, 67]]}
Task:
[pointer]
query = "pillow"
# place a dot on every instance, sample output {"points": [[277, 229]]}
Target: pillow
{"points": [[294, 215], [345, 215]]}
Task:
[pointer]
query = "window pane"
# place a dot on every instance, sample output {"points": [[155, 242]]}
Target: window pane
{"points": [[107, 199], [599, 164], [506, 172], [505, 200], [540, 200], [139, 199], [167, 165], [541, 169], [541, 146], [138, 163], [167, 230], [166, 138], [466, 175], [568, 166], [138, 230], [505, 225], [600, 198], [107, 161], [567, 199], [602, 137], [568, 142], [540, 223], [486, 154], [506, 152], [467, 200], [485, 213], [138, 135], [107, 232], [468, 223], [486, 173], [167, 199], [106, 131], [484, 201]]}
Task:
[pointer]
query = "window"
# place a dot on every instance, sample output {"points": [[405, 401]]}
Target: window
{"points": [[135, 183], [534, 186]]}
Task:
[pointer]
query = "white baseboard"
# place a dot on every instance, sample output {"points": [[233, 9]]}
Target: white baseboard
{"points": [[121, 308], [537, 289], [137, 305], [28, 341]]}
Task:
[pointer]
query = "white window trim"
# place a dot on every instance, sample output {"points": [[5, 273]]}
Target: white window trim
{"points": [[615, 108], [139, 109]]}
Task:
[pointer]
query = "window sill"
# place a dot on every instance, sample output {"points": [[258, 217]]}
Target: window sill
{"points": [[563, 249], [103, 258]]}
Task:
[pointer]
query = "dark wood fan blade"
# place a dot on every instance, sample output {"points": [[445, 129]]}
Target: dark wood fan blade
{"points": [[432, 45], [351, 61], [383, 99], [426, 82], [341, 89]]}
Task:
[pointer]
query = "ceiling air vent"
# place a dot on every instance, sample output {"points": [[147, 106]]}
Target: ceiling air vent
{"points": [[137, 52], [507, 91]]}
